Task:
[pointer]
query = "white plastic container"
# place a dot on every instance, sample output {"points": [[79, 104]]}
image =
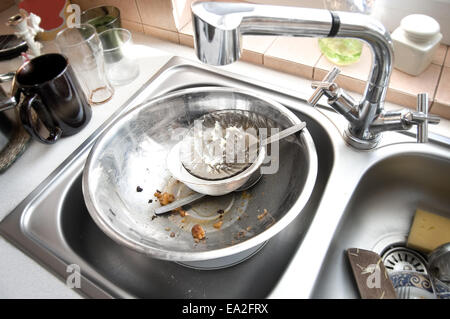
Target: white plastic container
{"points": [[415, 42]]}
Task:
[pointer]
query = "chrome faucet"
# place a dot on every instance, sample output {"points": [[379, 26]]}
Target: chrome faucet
{"points": [[218, 30]]}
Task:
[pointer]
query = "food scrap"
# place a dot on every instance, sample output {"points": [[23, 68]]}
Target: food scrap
{"points": [[240, 235], [164, 198], [218, 224], [246, 195], [261, 216], [172, 234], [180, 210], [150, 201], [139, 189], [198, 232]]}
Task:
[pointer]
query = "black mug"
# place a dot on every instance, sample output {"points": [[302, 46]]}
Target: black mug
{"points": [[50, 87]]}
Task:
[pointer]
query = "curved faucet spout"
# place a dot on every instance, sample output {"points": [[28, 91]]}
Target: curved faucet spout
{"points": [[218, 28]]}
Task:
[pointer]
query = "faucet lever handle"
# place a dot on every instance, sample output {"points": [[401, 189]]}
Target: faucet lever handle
{"points": [[321, 87], [422, 118]]}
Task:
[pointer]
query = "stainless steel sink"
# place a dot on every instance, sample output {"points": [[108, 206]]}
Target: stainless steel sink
{"points": [[53, 226], [380, 213]]}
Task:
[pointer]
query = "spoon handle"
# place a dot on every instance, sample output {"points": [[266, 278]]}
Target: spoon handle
{"points": [[284, 133]]}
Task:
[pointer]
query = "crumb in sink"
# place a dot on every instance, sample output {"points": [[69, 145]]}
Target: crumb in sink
{"points": [[198, 232], [139, 189]]}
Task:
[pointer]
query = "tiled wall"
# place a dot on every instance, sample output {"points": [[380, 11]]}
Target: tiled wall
{"points": [[302, 57], [170, 20], [159, 18]]}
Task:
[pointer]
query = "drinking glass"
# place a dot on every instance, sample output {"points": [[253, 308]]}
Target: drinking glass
{"points": [[83, 48], [102, 18], [120, 66]]}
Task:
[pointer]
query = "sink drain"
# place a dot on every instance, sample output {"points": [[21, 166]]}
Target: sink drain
{"points": [[404, 259]]}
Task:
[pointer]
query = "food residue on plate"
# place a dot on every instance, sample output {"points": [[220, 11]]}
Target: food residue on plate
{"points": [[240, 235], [180, 210], [198, 232], [164, 198], [246, 195], [261, 216], [218, 225]]}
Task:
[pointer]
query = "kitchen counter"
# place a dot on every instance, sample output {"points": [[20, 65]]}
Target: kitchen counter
{"points": [[21, 277]]}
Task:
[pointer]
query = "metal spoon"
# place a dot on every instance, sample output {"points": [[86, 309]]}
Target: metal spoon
{"points": [[252, 181]]}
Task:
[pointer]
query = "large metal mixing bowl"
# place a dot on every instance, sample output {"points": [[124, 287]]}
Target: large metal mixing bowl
{"points": [[128, 164]]}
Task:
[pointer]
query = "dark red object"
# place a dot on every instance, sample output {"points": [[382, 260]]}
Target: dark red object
{"points": [[50, 11]]}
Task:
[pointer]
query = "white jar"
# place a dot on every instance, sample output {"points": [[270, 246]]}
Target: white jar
{"points": [[415, 42]]}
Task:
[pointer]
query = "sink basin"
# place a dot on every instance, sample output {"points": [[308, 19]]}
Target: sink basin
{"points": [[380, 213], [54, 226], [362, 199]]}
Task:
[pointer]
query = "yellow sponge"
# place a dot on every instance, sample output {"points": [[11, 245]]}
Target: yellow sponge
{"points": [[428, 231]]}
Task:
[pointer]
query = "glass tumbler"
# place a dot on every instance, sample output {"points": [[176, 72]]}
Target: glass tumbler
{"points": [[102, 18], [83, 48], [121, 67]]}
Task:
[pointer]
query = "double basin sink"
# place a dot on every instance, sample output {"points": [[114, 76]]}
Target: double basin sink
{"points": [[362, 199]]}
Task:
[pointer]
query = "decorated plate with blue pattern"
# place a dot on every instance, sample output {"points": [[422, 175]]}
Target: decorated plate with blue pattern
{"points": [[420, 283]]}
